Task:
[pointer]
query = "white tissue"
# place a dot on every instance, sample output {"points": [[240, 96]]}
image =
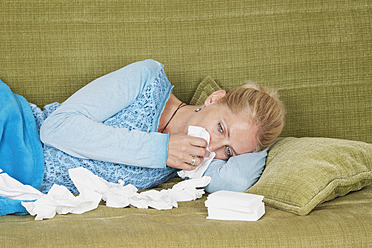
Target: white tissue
{"points": [[93, 189], [188, 190], [216, 213], [198, 171], [60, 200], [229, 205], [115, 194], [13, 189]]}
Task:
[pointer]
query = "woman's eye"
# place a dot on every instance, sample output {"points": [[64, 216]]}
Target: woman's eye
{"points": [[220, 128], [228, 152]]}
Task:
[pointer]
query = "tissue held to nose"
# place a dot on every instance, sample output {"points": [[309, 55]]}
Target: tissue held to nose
{"points": [[198, 171]]}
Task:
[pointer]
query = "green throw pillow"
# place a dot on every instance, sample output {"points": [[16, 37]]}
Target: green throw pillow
{"points": [[204, 89], [301, 173]]}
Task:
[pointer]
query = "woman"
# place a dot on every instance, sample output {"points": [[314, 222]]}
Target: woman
{"points": [[128, 125]]}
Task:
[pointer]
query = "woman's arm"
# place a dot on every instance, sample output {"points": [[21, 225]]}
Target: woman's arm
{"points": [[76, 128], [239, 173]]}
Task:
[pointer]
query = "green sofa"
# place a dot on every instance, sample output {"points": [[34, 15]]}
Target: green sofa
{"points": [[318, 55]]}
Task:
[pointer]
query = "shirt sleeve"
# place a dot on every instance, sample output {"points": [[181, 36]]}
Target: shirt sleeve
{"points": [[238, 173], [76, 126]]}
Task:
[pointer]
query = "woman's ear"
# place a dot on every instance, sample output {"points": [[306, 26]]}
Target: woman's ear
{"points": [[214, 97]]}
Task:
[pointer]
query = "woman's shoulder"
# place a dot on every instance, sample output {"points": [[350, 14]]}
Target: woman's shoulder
{"points": [[151, 62], [151, 66]]}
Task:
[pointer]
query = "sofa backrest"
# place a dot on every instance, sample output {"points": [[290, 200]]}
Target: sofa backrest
{"points": [[316, 53]]}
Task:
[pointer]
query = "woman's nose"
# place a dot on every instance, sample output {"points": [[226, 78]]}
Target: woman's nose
{"points": [[215, 144]]}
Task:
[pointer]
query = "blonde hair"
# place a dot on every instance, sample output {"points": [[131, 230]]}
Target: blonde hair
{"points": [[263, 106]]}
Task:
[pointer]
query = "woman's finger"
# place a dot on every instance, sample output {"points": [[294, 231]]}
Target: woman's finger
{"points": [[199, 151], [188, 166], [196, 141], [195, 161]]}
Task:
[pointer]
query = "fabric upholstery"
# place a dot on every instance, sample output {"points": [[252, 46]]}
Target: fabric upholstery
{"points": [[316, 53], [204, 89], [300, 173]]}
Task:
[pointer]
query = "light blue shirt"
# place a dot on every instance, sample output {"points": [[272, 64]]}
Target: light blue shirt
{"points": [[76, 126]]}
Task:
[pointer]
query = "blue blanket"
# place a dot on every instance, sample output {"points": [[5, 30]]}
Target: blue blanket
{"points": [[21, 152]]}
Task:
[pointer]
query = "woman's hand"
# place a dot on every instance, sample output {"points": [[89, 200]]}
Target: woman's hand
{"points": [[182, 149]]}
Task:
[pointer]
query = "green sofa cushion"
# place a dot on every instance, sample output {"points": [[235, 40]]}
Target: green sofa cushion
{"points": [[301, 173], [204, 89]]}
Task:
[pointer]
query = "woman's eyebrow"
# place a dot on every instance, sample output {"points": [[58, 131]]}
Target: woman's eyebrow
{"points": [[228, 136]]}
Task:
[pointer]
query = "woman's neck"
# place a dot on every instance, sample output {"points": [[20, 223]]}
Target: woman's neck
{"points": [[180, 120], [178, 123]]}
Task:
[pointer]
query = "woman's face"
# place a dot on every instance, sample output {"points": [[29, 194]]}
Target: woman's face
{"points": [[230, 134]]}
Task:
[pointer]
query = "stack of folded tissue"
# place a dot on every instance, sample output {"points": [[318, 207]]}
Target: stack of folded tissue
{"points": [[93, 189], [229, 205]]}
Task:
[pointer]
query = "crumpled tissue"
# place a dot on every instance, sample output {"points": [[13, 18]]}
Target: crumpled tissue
{"points": [[12, 188], [93, 189], [198, 171]]}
